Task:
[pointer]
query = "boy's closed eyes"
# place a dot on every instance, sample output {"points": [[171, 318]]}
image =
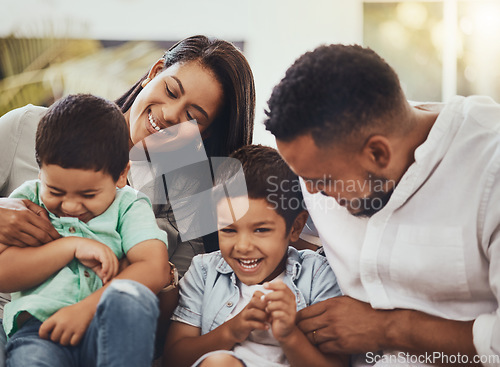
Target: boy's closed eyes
{"points": [[80, 193]]}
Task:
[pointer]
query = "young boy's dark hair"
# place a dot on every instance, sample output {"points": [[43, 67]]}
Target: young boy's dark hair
{"points": [[267, 176], [85, 132]]}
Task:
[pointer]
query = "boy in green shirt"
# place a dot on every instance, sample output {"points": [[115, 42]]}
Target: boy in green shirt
{"points": [[65, 311]]}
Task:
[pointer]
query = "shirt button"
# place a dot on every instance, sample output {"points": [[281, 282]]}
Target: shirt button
{"points": [[229, 304], [72, 230], [86, 273]]}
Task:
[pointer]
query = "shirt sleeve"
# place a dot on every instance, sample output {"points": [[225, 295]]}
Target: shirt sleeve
{"points": [[324, 282], [17, 147], [27, 190], [486, 329], [191, 290], [9, 137], [137, 223]]}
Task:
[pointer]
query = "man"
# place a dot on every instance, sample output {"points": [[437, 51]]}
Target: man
{"points": [[405, 199]]}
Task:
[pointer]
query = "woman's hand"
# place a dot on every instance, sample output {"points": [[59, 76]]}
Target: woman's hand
{"points": [[23, 223]]}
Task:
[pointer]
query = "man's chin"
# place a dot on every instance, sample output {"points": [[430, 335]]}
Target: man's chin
{"points": [[369, 206], [365, 213]]}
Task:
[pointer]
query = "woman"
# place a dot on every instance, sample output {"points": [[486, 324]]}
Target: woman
{"points": [[216, 89], [232, 127], [198, 78], [224, 111]]}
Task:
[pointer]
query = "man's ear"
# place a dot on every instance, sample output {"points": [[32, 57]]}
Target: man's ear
{"points": [[298, 225], [122, 180], [377, 152]]}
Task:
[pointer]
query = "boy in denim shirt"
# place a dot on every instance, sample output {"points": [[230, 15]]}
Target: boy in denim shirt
{"points": [[239, 304], [65, 309]]}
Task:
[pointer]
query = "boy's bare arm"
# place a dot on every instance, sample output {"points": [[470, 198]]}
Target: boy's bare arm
{"points": [[25, 268], [298, 349], [185, 344], [148, 265], [300, 352], [345, 323]]}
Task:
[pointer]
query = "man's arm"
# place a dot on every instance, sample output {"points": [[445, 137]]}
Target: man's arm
{"points": [[23, 223], [345, 325]]}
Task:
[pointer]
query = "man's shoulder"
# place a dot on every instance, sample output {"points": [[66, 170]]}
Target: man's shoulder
{"points": [[481, 110], [476, 110]]}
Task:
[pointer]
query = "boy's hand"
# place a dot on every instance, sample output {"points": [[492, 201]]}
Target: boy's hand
{"points": [[281, 308], [252, 317], [98, 257], [23, 223], [68, 325]]}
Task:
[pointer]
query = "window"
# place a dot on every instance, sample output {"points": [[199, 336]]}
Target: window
{"points": [[438, 48]]}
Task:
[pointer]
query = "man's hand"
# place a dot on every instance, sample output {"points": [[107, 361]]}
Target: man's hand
{"points": [[68, 325], [98, 257], [252, 317], [281, 308], [343, 325], [23, 223]]}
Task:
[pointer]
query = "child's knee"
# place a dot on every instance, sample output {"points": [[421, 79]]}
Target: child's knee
{"points": [[221, 360], [129, 295]]}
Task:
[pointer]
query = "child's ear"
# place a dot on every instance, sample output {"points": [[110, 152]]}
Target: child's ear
{"points": [[298, 225], [122, 180]]}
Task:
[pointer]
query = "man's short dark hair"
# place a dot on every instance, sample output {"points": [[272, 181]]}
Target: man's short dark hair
{"points": [[84, 132], [267, 177], [334, 92]]}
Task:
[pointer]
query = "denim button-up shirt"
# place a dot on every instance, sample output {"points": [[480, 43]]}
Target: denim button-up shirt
{"points": [[209, 290]]}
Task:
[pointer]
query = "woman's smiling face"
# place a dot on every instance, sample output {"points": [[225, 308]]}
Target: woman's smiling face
{"points": [[182, 92]]}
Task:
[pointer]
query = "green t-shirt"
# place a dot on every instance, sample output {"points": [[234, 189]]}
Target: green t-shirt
{"points": [[128, 221]]}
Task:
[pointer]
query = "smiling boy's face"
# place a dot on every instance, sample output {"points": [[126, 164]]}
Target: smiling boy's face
{"points": [[80, 193], [255, 246]]}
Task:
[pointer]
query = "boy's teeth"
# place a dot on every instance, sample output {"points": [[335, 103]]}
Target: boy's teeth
{"points": [[249, 263]]}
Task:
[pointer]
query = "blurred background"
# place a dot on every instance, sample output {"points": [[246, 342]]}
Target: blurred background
{"points": [[50, 48]]}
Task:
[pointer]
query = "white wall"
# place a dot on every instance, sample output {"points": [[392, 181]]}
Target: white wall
{"points": [[281, 30], [275, 32]]}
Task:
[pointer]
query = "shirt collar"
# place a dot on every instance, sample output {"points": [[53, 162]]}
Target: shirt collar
{"points": [[427, 155], [293, 264]]}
